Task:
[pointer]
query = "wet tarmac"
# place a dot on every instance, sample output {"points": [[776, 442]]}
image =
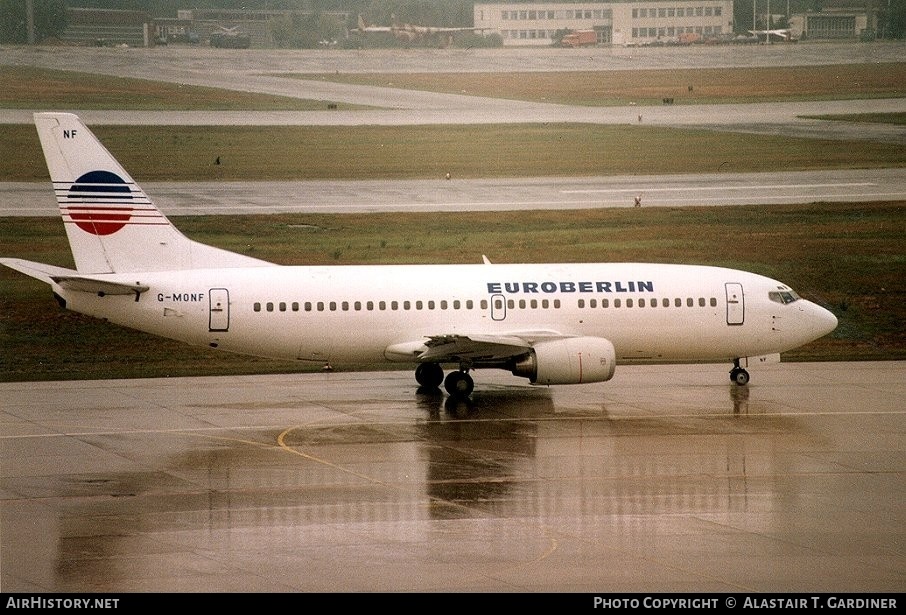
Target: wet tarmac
{"points": [[504, 194], [667, 478]]}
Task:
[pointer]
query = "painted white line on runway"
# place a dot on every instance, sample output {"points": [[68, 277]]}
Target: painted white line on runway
{"points": [[703, 188]]}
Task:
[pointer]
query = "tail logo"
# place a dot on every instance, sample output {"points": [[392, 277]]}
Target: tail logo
{"points": [[98, 202]]}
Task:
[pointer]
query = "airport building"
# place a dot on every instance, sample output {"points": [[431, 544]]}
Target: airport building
{"points": [[108, 27], [622, 23], [838, 20]]}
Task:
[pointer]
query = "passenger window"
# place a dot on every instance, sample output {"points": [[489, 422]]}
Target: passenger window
{"points": [[257, 306]]}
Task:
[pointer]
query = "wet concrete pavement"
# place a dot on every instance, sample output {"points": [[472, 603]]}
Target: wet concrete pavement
{"points": [[666, 479]]}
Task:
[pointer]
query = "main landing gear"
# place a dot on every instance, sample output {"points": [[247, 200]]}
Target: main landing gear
{"points": [[457, 383], [739, 375]]}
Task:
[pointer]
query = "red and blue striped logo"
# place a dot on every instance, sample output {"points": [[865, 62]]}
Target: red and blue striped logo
{"points": [[101, 203]]}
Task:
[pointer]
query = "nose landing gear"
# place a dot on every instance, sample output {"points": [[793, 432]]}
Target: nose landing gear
{"points": [[739, 375]]}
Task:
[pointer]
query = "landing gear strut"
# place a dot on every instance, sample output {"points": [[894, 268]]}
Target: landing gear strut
{"points": [[739, 375], [459, 384]]}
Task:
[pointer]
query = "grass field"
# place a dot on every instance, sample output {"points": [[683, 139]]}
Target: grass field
{"points": [[381, 152], [847, 257], [650, 87], [25, 87]]}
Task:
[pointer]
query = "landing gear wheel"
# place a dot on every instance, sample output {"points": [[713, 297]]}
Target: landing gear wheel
{"points": [[459, 384], [739, 376], [429, 375]]}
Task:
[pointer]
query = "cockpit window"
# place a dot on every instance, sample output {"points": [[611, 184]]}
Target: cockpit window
{"points": [[783, 296]]}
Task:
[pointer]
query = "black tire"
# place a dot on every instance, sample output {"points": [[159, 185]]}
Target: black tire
{"points": [[429, 375], [459, 384], [739, 376]]}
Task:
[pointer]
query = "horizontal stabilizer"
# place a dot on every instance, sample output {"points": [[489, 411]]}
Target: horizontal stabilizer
{"points": [[100, 287], [39, 271], [71, 280]]}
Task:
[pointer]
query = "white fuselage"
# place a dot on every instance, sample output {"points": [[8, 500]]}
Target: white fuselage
{"points": [[348, 314]]}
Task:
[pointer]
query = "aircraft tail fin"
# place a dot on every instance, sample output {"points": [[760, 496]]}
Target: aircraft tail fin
{"points": [[112, 225]]}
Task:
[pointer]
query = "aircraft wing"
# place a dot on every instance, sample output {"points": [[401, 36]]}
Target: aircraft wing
{"points": [[471, 348], [449, 348]]}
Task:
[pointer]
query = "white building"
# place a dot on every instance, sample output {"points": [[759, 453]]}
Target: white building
{"points": [[616, 22]]}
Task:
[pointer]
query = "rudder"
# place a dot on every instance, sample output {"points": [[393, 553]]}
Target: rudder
{"points": [[111, 224]]}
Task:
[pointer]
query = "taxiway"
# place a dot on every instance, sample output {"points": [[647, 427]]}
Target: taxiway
{"points": [[665, 479]]}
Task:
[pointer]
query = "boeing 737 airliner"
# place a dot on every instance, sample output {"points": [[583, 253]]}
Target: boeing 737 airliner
{"points": [[549, 323]]}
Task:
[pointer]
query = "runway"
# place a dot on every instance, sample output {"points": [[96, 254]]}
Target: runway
{"points": [[506, 194], [665, 479]]}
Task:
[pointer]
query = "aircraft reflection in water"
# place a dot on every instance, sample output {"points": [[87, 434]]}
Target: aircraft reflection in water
{"points": [[549, 323], [349, 487]]}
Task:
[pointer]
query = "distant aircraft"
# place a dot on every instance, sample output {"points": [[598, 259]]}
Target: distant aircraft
{"points": [[549, 323], [231, 38], [409, 32], [784, 35]]}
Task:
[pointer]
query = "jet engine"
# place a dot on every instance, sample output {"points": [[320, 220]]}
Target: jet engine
{"points": [[573, 360]]}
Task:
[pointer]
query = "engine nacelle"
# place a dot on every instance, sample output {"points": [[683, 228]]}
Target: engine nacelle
{"points": [[574, 360]]}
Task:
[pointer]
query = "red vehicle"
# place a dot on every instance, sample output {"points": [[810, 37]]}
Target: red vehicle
{"points": [[581, 38]]}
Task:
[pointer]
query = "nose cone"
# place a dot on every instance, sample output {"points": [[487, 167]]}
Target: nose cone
{"points": [[822, 320]]}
